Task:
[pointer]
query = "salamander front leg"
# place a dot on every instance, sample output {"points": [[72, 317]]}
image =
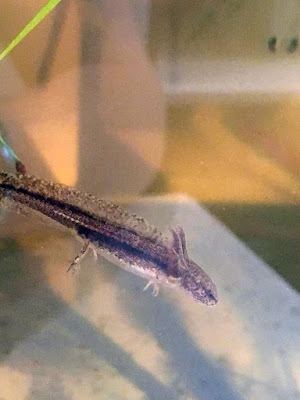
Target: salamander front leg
{"points": [[75, 265], [155, 288]]}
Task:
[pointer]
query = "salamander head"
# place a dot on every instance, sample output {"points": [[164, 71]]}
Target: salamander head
{"points": [[192, 278]]}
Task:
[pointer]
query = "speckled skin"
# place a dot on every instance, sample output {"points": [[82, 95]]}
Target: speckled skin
{"points": [[123, 238]]}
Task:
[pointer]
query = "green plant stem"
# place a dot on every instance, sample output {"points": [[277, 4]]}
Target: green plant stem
{"points": [[44, 11]]}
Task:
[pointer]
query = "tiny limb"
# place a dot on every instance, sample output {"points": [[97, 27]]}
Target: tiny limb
{"points": [[75, 265], [95, 254], [155, 288], [148, 285]]}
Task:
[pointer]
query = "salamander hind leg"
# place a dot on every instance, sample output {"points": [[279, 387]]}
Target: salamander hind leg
{"points": [[95, 254], [75, 265]]}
